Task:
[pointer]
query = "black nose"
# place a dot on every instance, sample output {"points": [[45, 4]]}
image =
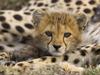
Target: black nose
{"points": [[56, 46]]}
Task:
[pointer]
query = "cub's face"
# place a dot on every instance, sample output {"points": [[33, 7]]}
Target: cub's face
{"points": [[58, 32]]}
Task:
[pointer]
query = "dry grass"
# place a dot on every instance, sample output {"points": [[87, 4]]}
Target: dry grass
{"points": [[90, 71]]}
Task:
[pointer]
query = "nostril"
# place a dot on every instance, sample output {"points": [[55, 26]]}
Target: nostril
{"points": [[56, 46]]}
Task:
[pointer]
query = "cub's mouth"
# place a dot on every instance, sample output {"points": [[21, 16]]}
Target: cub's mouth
{"points": [[57, 52]]}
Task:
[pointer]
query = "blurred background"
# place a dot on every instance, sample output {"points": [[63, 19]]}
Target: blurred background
{"points": [[12, 4]]}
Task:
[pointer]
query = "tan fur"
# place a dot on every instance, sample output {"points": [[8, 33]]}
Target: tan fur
{"points": [[58, 24]]}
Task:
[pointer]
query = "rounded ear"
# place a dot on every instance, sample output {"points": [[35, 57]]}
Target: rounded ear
{"points": [[81, 20], [37, 16]]}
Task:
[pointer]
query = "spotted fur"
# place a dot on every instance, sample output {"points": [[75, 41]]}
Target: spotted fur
{"points": [[16, 25], [78, 6], [65, 61]]}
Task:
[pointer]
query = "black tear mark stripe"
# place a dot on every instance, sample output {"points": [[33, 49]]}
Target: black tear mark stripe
{"points": [[18, 17]]}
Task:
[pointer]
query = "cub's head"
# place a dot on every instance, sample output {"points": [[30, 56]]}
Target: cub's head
{"points": [[60, 32]]}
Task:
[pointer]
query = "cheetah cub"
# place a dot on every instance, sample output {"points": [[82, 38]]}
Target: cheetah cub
{"points": [[59, 32]]}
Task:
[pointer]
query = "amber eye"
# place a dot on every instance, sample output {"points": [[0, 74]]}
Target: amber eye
{"points": [[67, 34], [48, 33]]}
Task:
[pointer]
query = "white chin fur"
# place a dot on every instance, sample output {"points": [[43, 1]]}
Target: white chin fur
{"points": [[53, 52], [56, 53]]}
